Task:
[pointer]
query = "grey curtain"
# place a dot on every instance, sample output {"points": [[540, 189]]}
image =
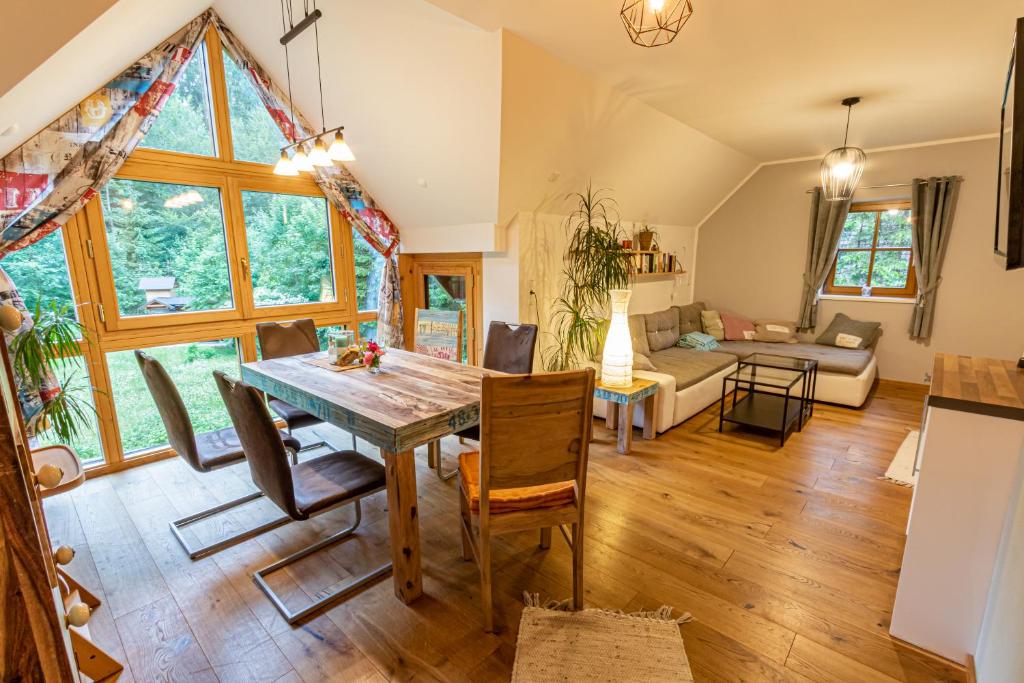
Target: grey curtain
{"points": [[827, 219], [932, 206]]}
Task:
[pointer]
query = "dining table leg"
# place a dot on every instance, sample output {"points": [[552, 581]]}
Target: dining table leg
{"points": [[403, 524]]}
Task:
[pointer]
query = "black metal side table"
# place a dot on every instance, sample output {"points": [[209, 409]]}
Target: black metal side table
{"points": [[771, 401]]}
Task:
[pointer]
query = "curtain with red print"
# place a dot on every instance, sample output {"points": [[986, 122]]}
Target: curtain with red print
{"points": [[54, 174]]}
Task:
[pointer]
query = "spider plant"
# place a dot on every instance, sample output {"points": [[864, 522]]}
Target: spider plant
{"points": [[54, 337], [594, 263]]}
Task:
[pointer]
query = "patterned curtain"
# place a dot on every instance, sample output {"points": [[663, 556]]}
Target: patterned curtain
{"points": [[49, 178]]}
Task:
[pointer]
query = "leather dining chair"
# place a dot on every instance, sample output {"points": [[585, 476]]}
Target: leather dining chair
{"points": [[508, 348], [278, 340], [303, 491], [203, 452], [531, 470]]}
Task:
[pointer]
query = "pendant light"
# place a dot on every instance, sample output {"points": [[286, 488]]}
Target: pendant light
{"points": [[651, 23], [319, 156], [842, 168]]}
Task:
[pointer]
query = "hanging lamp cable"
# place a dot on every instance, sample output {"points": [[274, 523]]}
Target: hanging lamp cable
{"points": [[288, 68], [316, 38]]}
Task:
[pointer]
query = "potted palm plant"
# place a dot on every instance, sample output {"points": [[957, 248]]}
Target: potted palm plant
{"points": [[594, 263]]}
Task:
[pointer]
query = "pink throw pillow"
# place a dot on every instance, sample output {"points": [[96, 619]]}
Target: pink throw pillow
{"points": [[737, 328]]}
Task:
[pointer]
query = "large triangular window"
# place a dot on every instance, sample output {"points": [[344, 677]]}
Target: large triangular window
{"points": [[254, 135], [185, 123]]}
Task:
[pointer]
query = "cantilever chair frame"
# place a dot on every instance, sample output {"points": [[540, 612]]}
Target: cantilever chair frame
{"points": [[259, 576], [178, 525]]}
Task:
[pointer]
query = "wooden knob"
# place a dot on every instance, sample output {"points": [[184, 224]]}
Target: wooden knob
{"points": [[64, 554], [78, 614], [49, 476], [10, 317]]}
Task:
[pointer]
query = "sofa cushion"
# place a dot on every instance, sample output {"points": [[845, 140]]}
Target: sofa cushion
{"points": [[777, 331], [638, 333], [662, 330], [830, 358], [689, 317], [689, 366], [737, 328], [848, 333], [712, 322]]}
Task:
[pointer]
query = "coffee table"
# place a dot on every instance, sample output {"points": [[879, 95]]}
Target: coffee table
{"points": [[621, 403], [771, 401]]}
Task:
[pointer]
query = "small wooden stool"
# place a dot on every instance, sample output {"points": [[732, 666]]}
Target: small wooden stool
{"points": [[621, 402]]}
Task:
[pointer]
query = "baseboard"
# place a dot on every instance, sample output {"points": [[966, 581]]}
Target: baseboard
{"points": [[972, 677], [937, 657]]}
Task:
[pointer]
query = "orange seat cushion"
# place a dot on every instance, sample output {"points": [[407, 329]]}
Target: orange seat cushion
{"points": [[512, 500]]}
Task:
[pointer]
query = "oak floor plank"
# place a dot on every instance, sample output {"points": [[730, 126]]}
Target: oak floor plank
{"points": [[160, 646]]}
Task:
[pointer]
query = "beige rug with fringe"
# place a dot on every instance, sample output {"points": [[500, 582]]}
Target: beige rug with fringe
{"points": [[558, 645], [901, 469]]}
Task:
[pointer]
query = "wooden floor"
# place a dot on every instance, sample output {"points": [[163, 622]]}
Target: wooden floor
{"points": [[787, 558]]}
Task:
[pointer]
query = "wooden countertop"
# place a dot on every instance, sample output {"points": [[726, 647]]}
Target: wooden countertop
{"points": [[980, 385]]}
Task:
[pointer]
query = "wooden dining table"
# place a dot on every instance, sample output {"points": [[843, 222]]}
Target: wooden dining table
{"points": [[413, 401]]}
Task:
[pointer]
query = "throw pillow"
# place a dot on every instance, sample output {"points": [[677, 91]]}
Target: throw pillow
{"points": [[689, 317], [638, 333], [642, 362], [848, 333], [712, 323], [737, 328], [662, 329], [777, 331]]}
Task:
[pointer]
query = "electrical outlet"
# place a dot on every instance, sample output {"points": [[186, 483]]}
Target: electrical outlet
{"points": [[927, 378]]}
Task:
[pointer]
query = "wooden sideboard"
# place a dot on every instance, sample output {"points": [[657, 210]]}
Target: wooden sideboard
{"points": [[969, 457]]}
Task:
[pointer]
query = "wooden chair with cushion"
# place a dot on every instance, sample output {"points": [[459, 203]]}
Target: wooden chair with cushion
{"points": [[509, 348], [279, 340], [203, 452], [531, 470], [303, 491]]}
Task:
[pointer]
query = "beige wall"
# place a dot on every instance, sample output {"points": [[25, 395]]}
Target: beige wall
{"points": [[750, 257]]}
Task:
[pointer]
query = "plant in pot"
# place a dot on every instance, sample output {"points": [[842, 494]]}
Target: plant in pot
{"points": [[594, 263], [40, 347], [645, 238]]}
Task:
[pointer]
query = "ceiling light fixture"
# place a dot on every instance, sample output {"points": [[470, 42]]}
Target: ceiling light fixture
{"points": [[842, 168], [304, 158], [651, 23]]}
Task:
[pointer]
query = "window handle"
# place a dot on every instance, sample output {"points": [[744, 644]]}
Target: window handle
{"points": [[245, 266]]}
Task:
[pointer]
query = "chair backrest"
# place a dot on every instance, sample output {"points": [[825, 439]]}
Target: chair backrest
{"points": [[509, 348], [438, 334], [261, 442], [278, 340], [180, 433], [535, 429]]}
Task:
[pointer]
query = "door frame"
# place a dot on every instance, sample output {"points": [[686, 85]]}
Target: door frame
{"points": [[414, 267]]}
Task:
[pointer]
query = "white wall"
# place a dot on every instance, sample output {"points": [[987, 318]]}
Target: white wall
{"points": [[751, 253]]}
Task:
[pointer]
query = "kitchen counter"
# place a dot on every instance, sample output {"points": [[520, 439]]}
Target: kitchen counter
{"points": [[986, 386]]}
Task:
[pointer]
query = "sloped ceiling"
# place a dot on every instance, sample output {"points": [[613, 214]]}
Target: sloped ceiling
{"points": [[766, 76]]}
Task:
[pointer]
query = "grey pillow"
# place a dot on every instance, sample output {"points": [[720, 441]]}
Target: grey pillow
{"points": [[638, 333], [642, 362], [845, 332], [689, 317], [662, 329]]}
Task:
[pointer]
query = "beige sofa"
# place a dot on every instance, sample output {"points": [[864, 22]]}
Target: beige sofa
{"points": [[689, 381]]}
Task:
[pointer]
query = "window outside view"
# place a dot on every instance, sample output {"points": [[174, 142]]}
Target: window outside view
{"points": [[874, 250]]}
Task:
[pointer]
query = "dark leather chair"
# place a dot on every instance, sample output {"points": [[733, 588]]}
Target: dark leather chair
{"points": [[278, 340], [302, 491], [508, 348], [203, 452]]}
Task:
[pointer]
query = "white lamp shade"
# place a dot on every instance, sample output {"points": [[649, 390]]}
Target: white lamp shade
{"points": [[301, 161], [617, 359], [339, 149], [841, 170], [285, 166], [319, 156]]}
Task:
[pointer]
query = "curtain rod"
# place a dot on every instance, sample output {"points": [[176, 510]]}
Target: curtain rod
{"points": [[881, 187]]}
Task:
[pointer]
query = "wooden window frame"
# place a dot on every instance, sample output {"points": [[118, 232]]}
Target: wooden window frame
{"points": [[414, 267], [909, 291], [85, 245]]}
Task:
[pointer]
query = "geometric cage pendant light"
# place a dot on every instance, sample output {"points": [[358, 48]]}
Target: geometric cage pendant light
{"points": [[842, 168], [651, 23]]}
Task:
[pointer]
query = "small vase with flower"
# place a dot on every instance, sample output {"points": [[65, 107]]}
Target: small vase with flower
{"points": [[372, 353]]}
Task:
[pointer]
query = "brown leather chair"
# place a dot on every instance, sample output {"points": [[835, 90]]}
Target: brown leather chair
{"points": [[279, 340], [203, 452], [531, 470], [307, 489], [509, 348]]}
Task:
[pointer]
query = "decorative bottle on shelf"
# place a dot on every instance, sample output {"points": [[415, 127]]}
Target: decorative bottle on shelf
{"points": [[617, 359]]}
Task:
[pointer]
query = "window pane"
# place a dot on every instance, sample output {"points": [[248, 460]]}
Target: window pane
{"points": [[852, 268], [368, 330], [369, 268], [167, 247], [185, 123], [40, 272], [894, 228], [890, 269], [448, 293], [858, 231], [254, 135], [289, 248], [191, 368], [74, 379]]}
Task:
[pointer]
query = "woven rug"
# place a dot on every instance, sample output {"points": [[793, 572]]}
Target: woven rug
{"points": [[901, 469], [556, 644]]}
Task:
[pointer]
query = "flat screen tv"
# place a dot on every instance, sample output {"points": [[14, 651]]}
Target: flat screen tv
{"points": [[1009, 238]]}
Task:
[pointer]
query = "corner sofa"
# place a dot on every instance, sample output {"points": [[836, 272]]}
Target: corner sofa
{"points": [[690, 380]]}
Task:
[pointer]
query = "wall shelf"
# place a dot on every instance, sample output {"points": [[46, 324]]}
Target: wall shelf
{"points": [[651, 277]]}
